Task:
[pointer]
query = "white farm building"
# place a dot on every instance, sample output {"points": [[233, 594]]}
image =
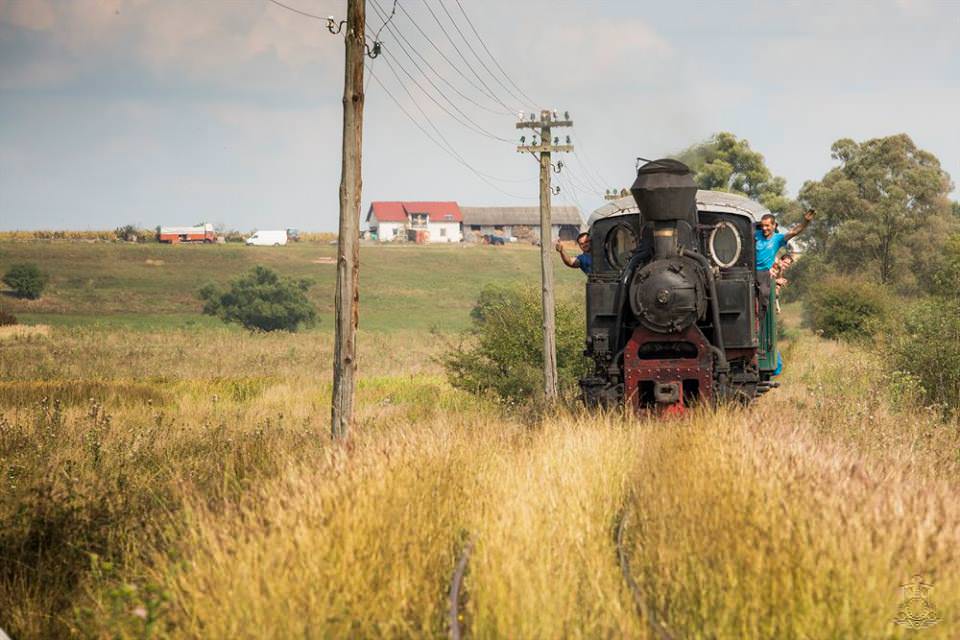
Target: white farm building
{"points": [[418, 222]]}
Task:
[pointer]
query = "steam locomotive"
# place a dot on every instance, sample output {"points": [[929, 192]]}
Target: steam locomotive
{"points": [[674, 314]]}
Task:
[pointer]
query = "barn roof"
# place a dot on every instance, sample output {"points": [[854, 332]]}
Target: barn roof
{"points": [[519, 215], [397, 211], [719, 201]]}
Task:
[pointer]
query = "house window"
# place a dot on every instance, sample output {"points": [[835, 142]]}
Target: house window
{"points": [[474, 227], [498, 227], [448, 217], [418, 220], [395, 231], [443, 232]]}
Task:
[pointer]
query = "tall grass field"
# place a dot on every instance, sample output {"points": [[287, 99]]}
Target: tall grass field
{"points": [[166, 476]]}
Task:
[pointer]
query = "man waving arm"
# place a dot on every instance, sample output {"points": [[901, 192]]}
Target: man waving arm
{"points": [[798, 229]]}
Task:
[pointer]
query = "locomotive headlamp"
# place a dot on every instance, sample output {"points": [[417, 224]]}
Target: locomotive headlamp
{"points": [[725, 245]]}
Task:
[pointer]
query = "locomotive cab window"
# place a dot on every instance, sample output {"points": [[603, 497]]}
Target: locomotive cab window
{"points": [[725, 245], [621, 241]]}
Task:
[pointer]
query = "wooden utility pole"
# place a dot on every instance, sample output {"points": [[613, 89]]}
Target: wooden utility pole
{"points": [[545, 124], [347, 298]]}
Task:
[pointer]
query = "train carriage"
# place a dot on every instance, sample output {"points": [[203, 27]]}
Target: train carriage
{"points": [[673, 314]]}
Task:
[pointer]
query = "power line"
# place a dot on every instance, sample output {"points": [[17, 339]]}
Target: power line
{"points": [[490, 91], [588, 165], [449, 152], [399, 34], [295, 10], [471, 123], [495, 61], [434, 126], [387, 21], [588, 183], [453, 66], [477, 56]]}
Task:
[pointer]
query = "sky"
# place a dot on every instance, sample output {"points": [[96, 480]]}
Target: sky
{"points": [[172, 112]]}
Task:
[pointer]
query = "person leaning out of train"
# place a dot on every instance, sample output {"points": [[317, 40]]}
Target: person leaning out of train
{"points": [[768, 242], [584, 261], [780, 265]]}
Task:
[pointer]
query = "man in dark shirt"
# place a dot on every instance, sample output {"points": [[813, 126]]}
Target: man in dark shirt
{"points": [[584, 261]]}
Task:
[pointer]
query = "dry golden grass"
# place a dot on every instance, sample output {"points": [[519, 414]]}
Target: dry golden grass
{"points": [[220, 508], [23, 331]]}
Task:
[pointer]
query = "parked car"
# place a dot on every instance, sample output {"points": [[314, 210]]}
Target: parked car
{"points": [[268, 238]]}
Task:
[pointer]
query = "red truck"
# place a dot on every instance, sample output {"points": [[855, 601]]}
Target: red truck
{"points": [[201, 233]]}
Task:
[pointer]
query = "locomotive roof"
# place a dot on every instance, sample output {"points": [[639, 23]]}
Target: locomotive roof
{"points": [[718, 201]]}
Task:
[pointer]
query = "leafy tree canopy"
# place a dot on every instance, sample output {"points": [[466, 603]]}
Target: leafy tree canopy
{"points": [[875, 206], [727, 163], [261, 300]]}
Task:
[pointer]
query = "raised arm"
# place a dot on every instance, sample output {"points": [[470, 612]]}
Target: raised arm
{"points": [[567, 260], [798, 229]]}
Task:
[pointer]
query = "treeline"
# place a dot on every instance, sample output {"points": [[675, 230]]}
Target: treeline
{"points": [[881, 261], [132, 233]]}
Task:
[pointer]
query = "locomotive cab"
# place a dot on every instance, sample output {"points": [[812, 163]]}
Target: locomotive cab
{"points": [[672, 314]]}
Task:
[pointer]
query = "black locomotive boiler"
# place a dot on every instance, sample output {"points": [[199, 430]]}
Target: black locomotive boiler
{"points": [[672, 300]]}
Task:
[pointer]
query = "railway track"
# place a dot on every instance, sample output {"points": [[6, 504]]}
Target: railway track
{"points": [[653, 619], [457, 594], [647, 613]]}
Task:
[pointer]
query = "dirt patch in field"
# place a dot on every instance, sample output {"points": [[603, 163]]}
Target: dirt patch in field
{"points": [[324, 260], [13, 332], [155, 263]]}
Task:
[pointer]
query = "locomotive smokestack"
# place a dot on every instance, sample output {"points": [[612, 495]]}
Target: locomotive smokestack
{"points": [[665, 191], [666, 194]]}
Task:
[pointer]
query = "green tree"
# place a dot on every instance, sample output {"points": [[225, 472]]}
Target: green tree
{"points": [[503, 353], [727, 163], [26, 280], [261, 300], [885, 202]]}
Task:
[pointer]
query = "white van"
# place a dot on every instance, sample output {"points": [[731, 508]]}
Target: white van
{"points": [[268, 238]]}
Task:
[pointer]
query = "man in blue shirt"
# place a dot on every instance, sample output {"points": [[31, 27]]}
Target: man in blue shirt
{"points": [[768, 242], [584, 261]]}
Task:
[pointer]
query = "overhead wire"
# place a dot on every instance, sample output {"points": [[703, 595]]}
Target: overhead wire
{"points": [[393, 12], [586, 162], [470, 122], [490, 91], [477, 56], [492, 57], [399, 34], [453, 66], [443, 144], [295, 10], [449, 151]]}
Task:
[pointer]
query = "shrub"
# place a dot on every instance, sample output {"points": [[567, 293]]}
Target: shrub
{"points": [[927, 349], [26, 280], [804, 276], [261, 300], [7, 319], [847, 308], [503, 354]]}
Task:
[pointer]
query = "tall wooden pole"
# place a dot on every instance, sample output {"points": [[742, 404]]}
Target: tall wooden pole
{"points": [[546, 266], [545, 148], [347, 299]]}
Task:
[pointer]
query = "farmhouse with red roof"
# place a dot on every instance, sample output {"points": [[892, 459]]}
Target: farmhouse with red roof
{"points": [[415, 221]]}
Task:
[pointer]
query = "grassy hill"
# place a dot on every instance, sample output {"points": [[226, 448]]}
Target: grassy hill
{"points": [[154, 286]]}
